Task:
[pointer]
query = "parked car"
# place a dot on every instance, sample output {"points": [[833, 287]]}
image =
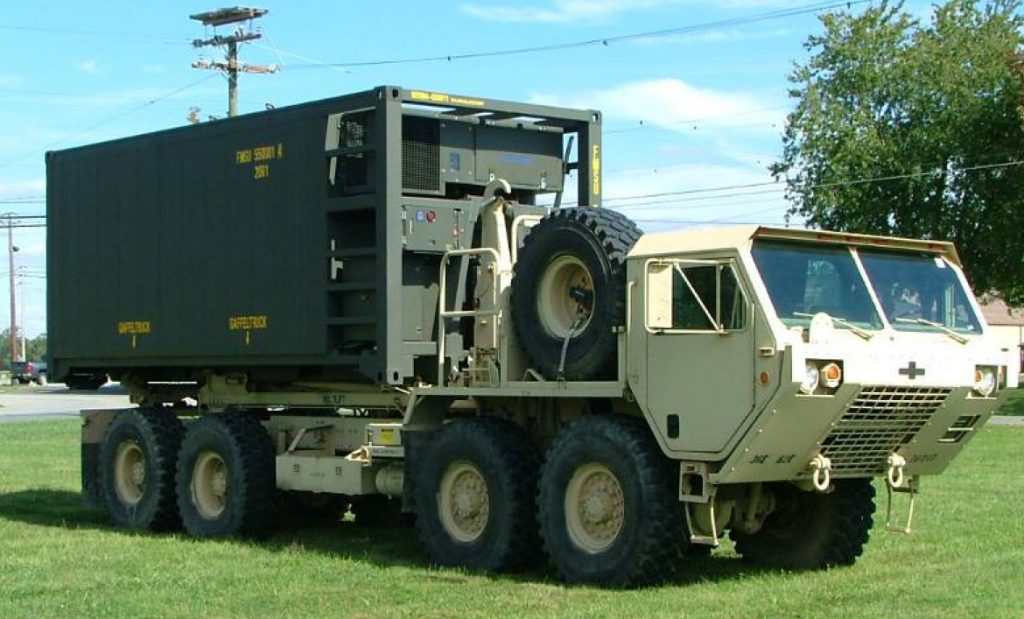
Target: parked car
{"points": [[25, 372]]}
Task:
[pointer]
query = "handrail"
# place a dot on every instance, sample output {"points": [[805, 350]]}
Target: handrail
{"points": [[442, 313]]}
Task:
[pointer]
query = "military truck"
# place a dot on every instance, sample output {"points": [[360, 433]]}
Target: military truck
{"points": [[380, 300]]}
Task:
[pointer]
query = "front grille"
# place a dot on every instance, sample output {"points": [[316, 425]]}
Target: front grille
{"points": [[877, 423], [421, 139]]}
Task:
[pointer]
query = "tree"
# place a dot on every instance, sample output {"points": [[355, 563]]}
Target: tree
{"points": [[910, 129], [35, 348]]}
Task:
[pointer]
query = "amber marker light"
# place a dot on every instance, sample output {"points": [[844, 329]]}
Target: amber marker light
{"points": [[765, 378], [831, 375]]}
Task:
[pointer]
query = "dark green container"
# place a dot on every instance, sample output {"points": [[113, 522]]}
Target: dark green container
{"points": [[301, 243]]}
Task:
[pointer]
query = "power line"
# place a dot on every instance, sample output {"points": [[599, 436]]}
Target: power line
{"points": [[604, 41], [106, 121], [154, 37], [779, 185], [645, 125]]}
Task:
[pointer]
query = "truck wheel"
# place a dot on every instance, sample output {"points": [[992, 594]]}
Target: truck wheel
{"points": [[609, 509], [571, 272], [811, 530], [226, 477], [136, 469], [474, 492]]}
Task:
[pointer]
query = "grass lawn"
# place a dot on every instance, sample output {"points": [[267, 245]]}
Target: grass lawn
{"points": [[965, 559]]}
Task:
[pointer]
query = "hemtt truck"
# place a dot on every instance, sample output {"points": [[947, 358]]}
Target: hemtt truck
{"points": [[359, 301]]}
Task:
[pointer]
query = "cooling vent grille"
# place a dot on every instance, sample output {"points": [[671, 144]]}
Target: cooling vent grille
{"points": [[878, 422], [421, 168]]}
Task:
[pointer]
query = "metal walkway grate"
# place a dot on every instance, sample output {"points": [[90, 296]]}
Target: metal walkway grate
{"points": [[876, 424]]}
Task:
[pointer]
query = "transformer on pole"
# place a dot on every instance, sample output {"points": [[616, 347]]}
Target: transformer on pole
{"points": [[231, 66]]}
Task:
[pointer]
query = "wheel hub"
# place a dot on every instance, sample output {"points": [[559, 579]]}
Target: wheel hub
{"points": [[463, 502], [594, 507], [129, 472], [565, 296], [210, 485]]}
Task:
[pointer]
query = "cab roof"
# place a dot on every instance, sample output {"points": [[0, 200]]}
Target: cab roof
{"points": [[739, 237]]}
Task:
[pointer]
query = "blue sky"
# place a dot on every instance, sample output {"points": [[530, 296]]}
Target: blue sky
{"points": [[695, 110]]}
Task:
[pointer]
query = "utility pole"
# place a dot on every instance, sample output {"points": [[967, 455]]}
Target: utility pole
{"points": [[231, 67], [10, 263]]}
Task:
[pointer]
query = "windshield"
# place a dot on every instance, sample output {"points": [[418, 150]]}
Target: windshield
{"points": [[917, 289], [803, 280]]}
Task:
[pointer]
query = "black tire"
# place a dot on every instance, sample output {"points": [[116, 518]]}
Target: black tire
{"points": [[647, 544], [812, 530], [499, 458], [226, 479], [377, 510], [592, 243], [147, 441]]}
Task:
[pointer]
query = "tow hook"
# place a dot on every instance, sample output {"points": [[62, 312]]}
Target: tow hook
{"points": [[821, 469], [896, 480], [895, 475]]}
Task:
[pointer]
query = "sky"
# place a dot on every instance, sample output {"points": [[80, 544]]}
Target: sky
{"points": [[695, 105]]}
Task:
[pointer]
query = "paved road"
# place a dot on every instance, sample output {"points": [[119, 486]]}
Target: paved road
{"points": [[57, 401]]}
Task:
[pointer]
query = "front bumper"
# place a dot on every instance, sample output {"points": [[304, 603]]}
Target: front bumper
{"points": [[858, 428]]}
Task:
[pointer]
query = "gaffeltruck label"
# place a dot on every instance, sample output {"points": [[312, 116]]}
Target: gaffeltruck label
{"points": [[250, 323], [259, 158], [134, 328]]}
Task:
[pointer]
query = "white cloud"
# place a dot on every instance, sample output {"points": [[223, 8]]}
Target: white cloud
{"points": [[18, 189], [11, 80], [674, 104], [89, 65], [589, 10], [560, 10]]}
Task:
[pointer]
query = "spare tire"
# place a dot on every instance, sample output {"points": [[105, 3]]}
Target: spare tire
{"points": [[570, 278]]}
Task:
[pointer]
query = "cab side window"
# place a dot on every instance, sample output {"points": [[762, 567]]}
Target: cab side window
{"points": [[707, 298]]}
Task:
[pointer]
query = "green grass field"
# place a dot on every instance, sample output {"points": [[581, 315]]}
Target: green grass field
{"points": [[966, 558]]}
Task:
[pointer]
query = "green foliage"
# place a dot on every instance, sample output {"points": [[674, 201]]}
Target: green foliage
{"points": [[931, 110], [35, 348]]}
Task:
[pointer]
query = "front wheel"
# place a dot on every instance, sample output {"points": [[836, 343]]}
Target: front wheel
{"points": [[609, 510], [812, 530], [474, 495]]}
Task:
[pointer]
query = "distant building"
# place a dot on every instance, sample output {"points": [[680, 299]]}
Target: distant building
{"points": [[1007, 324]]}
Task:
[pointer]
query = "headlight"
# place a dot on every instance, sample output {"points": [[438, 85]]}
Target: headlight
{"points": [[811, 376], [985, 379]]}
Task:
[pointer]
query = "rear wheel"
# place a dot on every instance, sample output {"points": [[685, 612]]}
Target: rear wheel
{"points": [[225, 478], [812, 530], [608, 509], [136, 468], [475, 490]]}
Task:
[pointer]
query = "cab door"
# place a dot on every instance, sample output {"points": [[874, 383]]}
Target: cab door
{"points": [[699, 332]]}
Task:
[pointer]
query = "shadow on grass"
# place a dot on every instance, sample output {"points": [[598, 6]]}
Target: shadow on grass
{"points": [[1014, 405], [378, 545]]}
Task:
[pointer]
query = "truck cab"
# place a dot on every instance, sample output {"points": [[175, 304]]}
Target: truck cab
{"points": [[808, 354]]}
